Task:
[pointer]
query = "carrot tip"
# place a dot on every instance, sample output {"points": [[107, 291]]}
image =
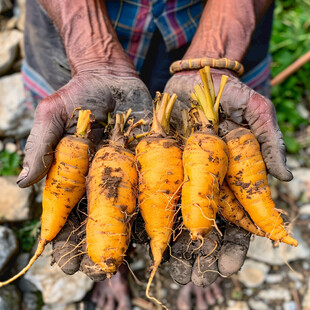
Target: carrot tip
{"points": [[38, 252], [290, 240]]}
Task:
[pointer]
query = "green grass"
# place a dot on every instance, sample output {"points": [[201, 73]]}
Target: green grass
{"points": [[10, 163], [27, 233], [290, 40]]}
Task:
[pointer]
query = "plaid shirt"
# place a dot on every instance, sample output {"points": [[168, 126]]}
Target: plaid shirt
{"points": [[135, 22]]}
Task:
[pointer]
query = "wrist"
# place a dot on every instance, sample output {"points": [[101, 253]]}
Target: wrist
{"points": [[88, 36], [224, 31], [103, 64]]}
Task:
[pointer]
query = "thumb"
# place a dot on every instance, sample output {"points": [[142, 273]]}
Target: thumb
{"points": [[48, 128], [261, 116]]}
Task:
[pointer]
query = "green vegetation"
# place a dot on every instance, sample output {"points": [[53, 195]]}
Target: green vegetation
{"points": [[290, 40], [27, 234], [10, 163]]}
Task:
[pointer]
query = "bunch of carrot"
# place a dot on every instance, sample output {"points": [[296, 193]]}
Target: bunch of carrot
{"points": [[158, 175], [111, 184], [245, 199]]}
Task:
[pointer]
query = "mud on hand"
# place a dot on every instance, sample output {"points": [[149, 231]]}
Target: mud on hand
{"points": [[203, 261]]}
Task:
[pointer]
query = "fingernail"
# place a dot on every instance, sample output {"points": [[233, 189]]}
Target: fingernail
{"points": [[23, 174]]}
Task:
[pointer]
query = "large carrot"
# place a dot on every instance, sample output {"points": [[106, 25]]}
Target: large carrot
{"points": [[205, 161], [159, 161], [64, 185], [232, 211], [247, 177], [112, 192]]}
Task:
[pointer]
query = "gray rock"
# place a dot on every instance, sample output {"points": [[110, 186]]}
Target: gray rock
{"points": [[261, 249], [57, 288], [292, 162], [306, 299], [258, 305], [9, 42], [248, 291], [297, 278], [305, 210], [16, 119], [9, 298], [274, 278], [300, 185], [5, 5], [8, 246], [15, 202], [237, 305], [303, 111], [277, 293], [252, 273], [1, 145], [305, 265], [137, 265], [38, 189], [59, 307], [30, 301], [10, 147], [24, 285], [290, 305]]}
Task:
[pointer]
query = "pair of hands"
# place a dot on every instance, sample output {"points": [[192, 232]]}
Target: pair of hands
{"points": [[102, 92]]}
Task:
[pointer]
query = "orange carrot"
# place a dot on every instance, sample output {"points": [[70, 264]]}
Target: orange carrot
{"points": [[247, 177], [159, 161], [112, 192], [205, 161], [232, 211], [64, 185]]}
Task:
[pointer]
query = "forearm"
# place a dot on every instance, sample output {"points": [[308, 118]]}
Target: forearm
{"points": [[88, 35], [226, 27]]}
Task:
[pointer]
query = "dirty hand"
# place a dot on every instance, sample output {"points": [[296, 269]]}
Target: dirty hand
{"points": [[70, 254], [99, 92], [244, 106], [69, 249], [103, 79], [202, 262]]}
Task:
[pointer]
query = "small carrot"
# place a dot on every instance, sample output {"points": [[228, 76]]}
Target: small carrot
{"points": [[232, 211], [159, 162], [205, 161], [112, 192], [247, 177], [64, 185]]}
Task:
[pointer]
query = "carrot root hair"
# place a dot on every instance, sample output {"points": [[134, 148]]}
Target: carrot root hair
{"points": [[155, 267], [38, 252]]}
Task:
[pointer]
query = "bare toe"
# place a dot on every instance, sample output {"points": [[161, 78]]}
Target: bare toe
{"points": [[201, 303], [184, 301]]}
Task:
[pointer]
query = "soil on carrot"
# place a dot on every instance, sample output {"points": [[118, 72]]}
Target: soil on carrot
{"points": [[293, 279]]}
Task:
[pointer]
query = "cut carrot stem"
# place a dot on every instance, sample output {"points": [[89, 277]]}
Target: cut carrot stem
{"points": [[83, 124], [169, 108], [210, 83], [219, 95], [162, 108], [193, 96], [206, 105]]}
